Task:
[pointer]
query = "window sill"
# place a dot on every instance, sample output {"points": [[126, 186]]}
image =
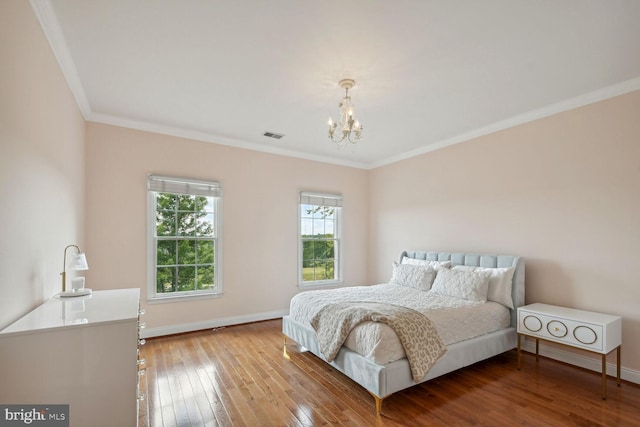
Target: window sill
{"points": [[184, 297], [321, 285]]}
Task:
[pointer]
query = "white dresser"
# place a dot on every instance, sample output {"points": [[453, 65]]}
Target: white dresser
{"points": [[595, 332], [80, 351]]}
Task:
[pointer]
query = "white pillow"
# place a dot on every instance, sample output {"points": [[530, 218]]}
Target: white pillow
{"points": [[469, 285], [415, 276], [500, 283], [437, 265]]}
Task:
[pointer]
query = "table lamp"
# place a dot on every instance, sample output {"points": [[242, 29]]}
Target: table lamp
{"points": [[78, 262]]}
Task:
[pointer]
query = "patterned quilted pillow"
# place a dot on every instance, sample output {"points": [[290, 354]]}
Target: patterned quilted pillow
{"points": [[469, 285], [500, 283], [415, 276]]}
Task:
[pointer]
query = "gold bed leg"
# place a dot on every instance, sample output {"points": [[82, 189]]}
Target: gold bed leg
{"points": [[284, 349], [378, 403]]}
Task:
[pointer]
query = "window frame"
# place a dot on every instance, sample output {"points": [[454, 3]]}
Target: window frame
{"points": [[182, 186], [329, 200]]}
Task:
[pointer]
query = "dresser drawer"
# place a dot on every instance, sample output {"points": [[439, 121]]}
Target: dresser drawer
{"points": [[578, 334]]}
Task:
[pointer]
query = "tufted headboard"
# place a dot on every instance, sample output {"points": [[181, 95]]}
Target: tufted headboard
{"points": [[482, 260]]}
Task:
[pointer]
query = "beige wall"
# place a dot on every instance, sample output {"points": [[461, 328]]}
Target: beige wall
{"points": [[260, 193], [564, 192], [41, 164]]}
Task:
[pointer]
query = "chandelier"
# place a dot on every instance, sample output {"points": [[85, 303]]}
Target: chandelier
{"points": [[350, 128]]}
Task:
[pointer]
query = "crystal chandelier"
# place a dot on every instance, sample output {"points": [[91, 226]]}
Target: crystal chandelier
{"points": [[350, 128]]}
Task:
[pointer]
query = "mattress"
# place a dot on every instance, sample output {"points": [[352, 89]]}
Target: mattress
{"points": [[455, 319]]}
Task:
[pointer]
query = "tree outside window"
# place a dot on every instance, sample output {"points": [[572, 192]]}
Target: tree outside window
{"points": [[186, 248]]}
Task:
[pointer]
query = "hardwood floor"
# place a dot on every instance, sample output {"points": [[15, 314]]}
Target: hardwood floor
{"points": [[237, 376]]}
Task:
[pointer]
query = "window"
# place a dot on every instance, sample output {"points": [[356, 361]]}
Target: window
{"points": [[319, 248], [184, 238]]}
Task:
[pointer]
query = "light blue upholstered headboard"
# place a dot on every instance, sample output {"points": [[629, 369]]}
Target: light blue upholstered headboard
{"points": [[482, 260]]}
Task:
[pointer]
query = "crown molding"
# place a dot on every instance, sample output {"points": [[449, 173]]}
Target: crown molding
{"points": [[216, 139], [605, 93], [550, 110], [52, 31]]}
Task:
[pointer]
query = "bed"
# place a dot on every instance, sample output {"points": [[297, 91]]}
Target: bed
{"points": [[386, 375]]}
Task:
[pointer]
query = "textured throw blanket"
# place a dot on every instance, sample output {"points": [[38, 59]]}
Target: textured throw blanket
{"points": [[418, 336]]}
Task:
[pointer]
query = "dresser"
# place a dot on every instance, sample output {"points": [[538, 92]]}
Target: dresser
{"points": [[596, 332], [81, 351]]}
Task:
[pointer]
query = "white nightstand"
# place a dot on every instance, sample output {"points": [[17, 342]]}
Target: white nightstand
{"points": [[595, 332]]}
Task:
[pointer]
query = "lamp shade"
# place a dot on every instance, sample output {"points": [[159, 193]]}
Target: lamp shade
{"points": [[78, 262]]}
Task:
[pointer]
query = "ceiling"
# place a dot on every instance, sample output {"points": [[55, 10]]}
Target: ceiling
{"points": [[428, 73]]}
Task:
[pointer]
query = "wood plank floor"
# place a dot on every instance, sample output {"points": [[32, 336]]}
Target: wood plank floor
{"points": [[237, 376]]}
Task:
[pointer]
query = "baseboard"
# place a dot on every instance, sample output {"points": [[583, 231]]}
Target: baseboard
{"points": [[210, 324], [581, 361]]}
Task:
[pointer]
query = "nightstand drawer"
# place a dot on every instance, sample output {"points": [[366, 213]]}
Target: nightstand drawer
{"points": [[566, 331]]}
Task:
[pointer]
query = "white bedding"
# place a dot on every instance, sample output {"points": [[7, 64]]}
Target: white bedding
{"points": [[455, 319]]}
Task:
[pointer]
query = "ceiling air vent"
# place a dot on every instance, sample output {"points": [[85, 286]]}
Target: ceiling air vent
{"points": [[273, 135]]}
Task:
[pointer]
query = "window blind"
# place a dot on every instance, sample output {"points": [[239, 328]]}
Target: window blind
{"points": [[320, 199], [163, 184]]}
